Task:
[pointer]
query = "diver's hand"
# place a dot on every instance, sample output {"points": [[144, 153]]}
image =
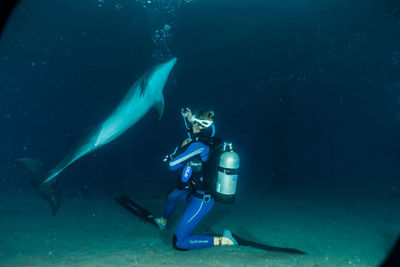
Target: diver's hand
{"points": [[187, 141], [188, 114]]}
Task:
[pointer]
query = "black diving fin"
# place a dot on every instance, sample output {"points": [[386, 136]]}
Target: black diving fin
{"points": [[243, 242], [136, 209], [146, 215]]}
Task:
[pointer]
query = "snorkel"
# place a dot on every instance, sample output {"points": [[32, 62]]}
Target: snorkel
{"points": [[186, 124], [188, 131]]}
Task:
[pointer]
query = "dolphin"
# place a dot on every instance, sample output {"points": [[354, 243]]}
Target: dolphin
{"points": [[144, 94]]}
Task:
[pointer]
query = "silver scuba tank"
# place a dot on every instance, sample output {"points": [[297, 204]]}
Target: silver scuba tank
{"points": [[227, 175]]}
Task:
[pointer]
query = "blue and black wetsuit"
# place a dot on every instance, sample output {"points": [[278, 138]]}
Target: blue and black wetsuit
{"points": [[191, 190]]}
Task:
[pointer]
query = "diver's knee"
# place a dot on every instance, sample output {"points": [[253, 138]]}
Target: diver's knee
{"points": [[174, 244]]}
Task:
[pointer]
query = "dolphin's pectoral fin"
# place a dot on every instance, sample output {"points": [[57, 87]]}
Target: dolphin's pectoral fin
{"points": [[144, 81], [159, 106], [142, 87], [50, 191]]}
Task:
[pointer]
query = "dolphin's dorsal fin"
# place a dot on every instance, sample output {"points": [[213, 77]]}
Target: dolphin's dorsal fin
{"points": [[159, 106], [144, 80]]}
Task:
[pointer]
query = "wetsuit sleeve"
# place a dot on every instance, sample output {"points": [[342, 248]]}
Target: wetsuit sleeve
{"points": [[196, 149]]}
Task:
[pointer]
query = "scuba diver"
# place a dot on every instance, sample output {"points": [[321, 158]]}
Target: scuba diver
{"points": [[192, 188], [209, 170]]}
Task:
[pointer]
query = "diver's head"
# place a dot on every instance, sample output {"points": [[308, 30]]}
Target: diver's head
{"points": [[203, 123]]}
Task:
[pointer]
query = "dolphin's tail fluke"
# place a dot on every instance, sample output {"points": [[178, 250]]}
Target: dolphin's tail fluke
{"points": [[50, 191]]}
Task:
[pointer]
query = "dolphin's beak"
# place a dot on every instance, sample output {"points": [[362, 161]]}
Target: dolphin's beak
{"points": [[172, 61], [170, 64]]}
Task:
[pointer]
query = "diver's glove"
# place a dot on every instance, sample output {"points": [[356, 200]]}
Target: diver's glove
{"points": [[187, 141], [187, 113]]}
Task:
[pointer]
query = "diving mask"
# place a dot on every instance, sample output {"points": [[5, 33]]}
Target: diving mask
{"points": [[202, 122]]}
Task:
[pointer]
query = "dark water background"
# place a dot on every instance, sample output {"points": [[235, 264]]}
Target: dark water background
{"points": [[308, 91]]}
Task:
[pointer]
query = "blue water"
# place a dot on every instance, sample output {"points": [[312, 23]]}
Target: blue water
{"points": [[307, 91]]}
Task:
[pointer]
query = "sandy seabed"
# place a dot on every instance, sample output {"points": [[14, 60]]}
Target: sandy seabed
{"points": [[96, 231]]}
